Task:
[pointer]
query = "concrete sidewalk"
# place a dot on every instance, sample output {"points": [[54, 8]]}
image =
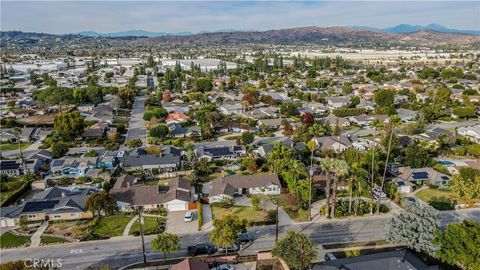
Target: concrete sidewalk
{"points": [[35, 239], [126, 231]]}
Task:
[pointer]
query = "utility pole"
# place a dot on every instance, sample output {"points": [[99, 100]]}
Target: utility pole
{"points": [[276, 222], [141, 234]]}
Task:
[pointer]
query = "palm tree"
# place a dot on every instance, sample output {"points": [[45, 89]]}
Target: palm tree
{"points": [[393, 121], [375, 124], [327, 166], [351, 181], [341, 169]]}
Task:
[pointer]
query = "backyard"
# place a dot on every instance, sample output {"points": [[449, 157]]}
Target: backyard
{"points": [[10, 240]]}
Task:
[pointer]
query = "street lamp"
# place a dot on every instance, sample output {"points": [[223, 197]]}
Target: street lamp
{"points": [[140, 220]]}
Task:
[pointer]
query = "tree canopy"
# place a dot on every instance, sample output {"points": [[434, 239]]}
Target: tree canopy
{"points": [[296, 249]]}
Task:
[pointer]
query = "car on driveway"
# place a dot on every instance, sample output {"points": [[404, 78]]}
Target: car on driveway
{"points": [[379, 193], [330, 257], [244, 238], [232, 248], [202, 249], [188, 216], [224, 267]]}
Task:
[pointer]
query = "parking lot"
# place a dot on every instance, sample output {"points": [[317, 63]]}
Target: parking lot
{"points": [[176, 224]]}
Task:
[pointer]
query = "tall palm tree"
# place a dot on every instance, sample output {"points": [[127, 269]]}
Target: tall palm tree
{"points": [[375, 124], [351, 182], [393, 122], [340, 169], [327, 166]]}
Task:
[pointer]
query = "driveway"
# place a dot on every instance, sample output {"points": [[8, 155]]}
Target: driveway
{"points": [[136, 126], [207, 218], [176, 224]]}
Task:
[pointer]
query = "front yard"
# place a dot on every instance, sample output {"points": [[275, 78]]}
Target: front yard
{"points": [[247, 212], [10, 240], [150, 226], [47, 240], [111, 226], [442, 199], [13, 146]]}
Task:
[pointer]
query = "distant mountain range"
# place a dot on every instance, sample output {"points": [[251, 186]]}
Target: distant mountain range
{"points": [[341, 36], [408, 28], [401, 28]]}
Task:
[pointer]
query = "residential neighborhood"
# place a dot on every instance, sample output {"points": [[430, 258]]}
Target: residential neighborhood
{"points": [[301, 148]]}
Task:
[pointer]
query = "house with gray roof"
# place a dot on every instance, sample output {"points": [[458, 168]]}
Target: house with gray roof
{"points": [[238, 185], [336, 143], [56, 203], [149, 162]]}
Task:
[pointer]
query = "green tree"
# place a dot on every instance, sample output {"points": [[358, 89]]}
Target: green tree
{"points": [[159, 131], [296, 249], [68, 125], [416, 156], [466, 184], [226, 230], [247, 137], [415, 228], [460, 244], [101, 201], [384, 99], [59, 149], [166, 243], [340, 169], [134, 143]]}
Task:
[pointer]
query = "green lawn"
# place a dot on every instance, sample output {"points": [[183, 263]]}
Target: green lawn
{"points": [[430, 194], [149, 226], [247, 212], [10, 240], [112, 226], [46, 240], [13, 146]]}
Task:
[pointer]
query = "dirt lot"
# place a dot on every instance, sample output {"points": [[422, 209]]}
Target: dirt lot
{"points": [[37, 120]]}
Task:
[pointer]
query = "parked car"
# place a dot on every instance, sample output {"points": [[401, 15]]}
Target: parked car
{"points": [[232, 248], [201, 249], [244, 238], [224, 267], [188, 216], [330, 257], [379, 193]]}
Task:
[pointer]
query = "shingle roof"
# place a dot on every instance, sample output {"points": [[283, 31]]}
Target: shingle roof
{"points": [[227, 185]]}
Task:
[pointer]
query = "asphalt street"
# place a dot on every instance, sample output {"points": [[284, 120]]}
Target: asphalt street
{"points": [[120, 251], [136, 126]]}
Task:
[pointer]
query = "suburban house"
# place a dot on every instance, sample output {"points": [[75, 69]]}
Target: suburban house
{"points": [[273, 124], [365, 120], [238, 185], [420, 176], [176, 195], [11, 167], [26, 134], [337, 102], [432, 135], [56, 203], [177, 118], [216, 152], [335, 143], [177, 131], [406, 114], [332, 120], [231, 108], [164, 163], [471, 132], [73, 167], [95, 131]]}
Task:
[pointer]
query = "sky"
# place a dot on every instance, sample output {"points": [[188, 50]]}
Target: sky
{"points": [[60, 17]]}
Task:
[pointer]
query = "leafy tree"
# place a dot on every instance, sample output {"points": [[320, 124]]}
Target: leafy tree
{"points": [[68, 125], [296, 249], [308, 119], [59, 149], [289, 109], [384, 98], [166, 243], [247, 137], [340, 169], [101, 201], [91, 153], [416, 156], [158, 112], [415, 228], [226, 230], [159, 131], [466, 184], [134, 143], [465, 112], [460, 244], [204, 85]]}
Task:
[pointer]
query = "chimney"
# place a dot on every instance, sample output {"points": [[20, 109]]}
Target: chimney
{"points": [[128, 184], [64, 194]]}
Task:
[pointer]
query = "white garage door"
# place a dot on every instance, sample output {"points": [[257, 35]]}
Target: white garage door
{"points": [[176, 206]]}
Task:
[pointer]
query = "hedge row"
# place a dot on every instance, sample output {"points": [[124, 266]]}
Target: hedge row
{"points": [[17, 194], [200, 215]]}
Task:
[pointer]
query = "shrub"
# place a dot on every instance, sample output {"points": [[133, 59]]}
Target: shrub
{"points": [[225, 203], [200, 215], [255, 202]]}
